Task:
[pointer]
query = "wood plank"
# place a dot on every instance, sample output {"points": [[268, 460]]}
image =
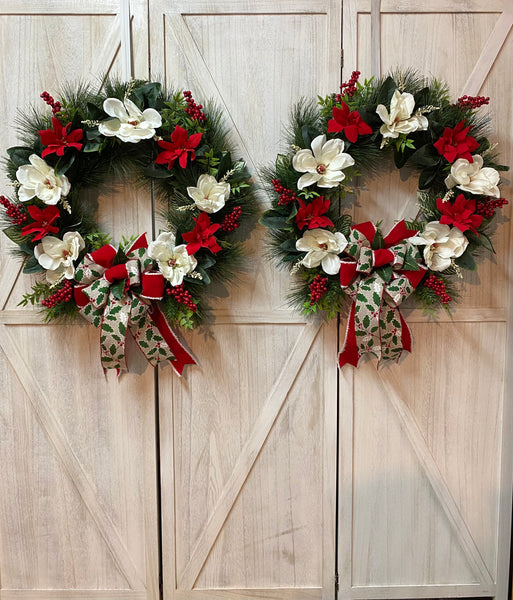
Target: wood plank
{"points": [[434, 6], [248, 456], [405, 592], [222, 317], [60, 7], [390, 384], [489, 53], [42, 408]]}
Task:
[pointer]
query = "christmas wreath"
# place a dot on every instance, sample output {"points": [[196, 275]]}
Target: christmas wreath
{"points": [[132, 131], [348, 134]]}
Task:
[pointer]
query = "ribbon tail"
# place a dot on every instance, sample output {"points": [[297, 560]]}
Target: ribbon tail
{"points": [[349, 354], [181, 356], [405, 333]]}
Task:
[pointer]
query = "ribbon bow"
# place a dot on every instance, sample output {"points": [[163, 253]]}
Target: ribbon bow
{"points": [[378, 281], [121, 297]]}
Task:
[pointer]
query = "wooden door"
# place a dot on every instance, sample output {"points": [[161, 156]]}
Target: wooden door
{"points": [[77, 451], [425, 473], [248, 442]]}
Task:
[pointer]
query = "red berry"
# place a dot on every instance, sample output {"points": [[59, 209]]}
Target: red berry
{"points": [[318, 288], [231, 221]]}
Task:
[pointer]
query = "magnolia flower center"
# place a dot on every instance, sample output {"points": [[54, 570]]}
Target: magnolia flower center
{"points": [[321, 169], [48, 184], [134, 123], [323, 246], [171, 262], [65, 254]]}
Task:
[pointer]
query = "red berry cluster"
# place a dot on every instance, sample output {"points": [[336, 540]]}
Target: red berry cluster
{"points": [[286, 196], [318, 288], [13, 211], [56, 106], [182, 296], [63, 294], [348, 88], [487, 207], [231, 221], [438, 286], [194, 110], [472, 101]]}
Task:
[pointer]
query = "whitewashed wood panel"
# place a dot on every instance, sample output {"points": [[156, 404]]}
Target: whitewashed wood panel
{"points": [[78, 491], [425, 495], [249, 440]]}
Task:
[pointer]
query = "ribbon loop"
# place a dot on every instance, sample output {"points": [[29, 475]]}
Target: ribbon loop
{"points": [[375, 324]]}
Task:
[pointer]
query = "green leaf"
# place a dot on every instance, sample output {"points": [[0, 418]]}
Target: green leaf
{"points": [[282, 162], [385, 272], [224, 165], [113, 349], [117, 290], [107, 327], [466, 261], [32, 266], [426, 157], [366, 321], [427, 177], [91, 147], [13, 232], [377, 299], [63, 165], [122, 328], [94, 112], [273, 222], [289, 246], [146, 95], [361, 297], [157, 171], [20, 155]]}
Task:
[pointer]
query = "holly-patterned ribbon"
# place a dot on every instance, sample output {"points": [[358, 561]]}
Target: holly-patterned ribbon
{"points": [[378, 281], [122, 297]]}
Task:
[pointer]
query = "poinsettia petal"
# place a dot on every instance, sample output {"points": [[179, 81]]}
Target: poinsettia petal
{"points": [[351, 133], [194, 140], [179, 136], [334, 126]]}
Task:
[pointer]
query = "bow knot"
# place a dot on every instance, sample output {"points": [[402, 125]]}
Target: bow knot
{"points": [[117, 309], [378, 281]]}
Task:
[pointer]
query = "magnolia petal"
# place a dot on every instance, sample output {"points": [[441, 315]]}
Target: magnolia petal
{"points": [[342, 161], [317, 147], [115, 108], [132, 109], [330, 152], [313, 259], [331, 264], [330, 179], [308, 179], [41, 165], [304, 161], [152, 117], [383, 114]]}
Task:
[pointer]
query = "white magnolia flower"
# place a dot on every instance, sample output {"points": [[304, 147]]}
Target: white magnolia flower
{"points": [[400, 119], [39, 179], [442, 244], [57, 256], [174, 262], [471, 177], [129, 124], [323, 248], [209, 195], [323, 164]]}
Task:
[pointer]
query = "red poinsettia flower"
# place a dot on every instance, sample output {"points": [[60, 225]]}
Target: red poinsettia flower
{"points": [[202, 236], [455, 143], [348, 123], [310, 214], [43, 219], [59, 138], [180, 146], [461, 213]]}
